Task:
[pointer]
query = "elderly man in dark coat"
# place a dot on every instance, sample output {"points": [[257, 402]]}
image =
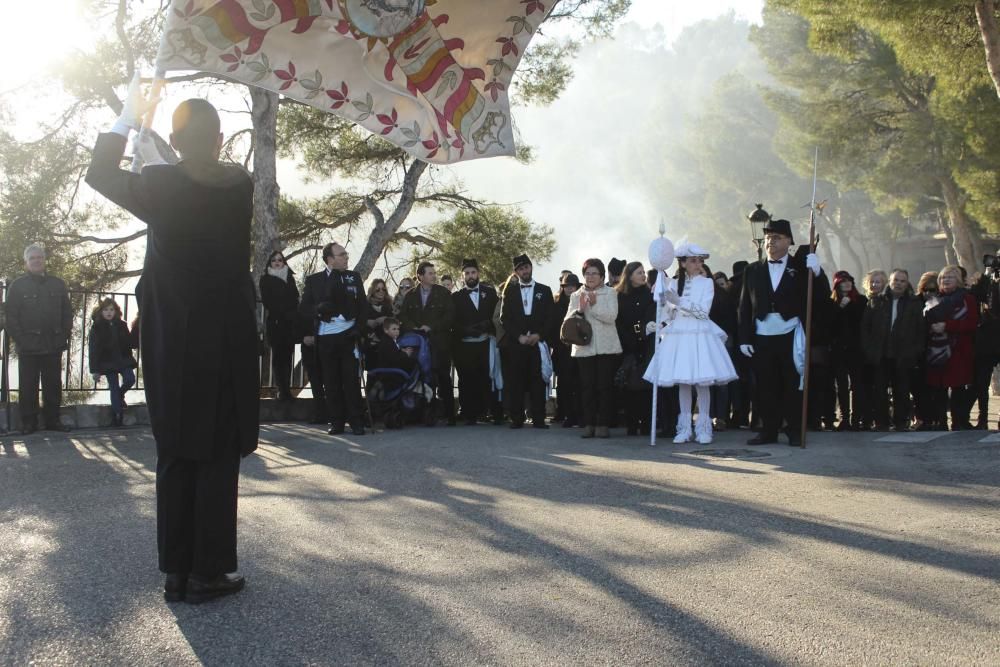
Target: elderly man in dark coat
{"points": [[893, 338], [198, 338], [429, 308], [40, 320]]}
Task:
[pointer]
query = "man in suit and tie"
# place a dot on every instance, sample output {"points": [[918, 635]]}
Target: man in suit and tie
{"points": [[772, 311], [429, 308], [335, 301], [526, 316], [198, 337], [474, 306]]}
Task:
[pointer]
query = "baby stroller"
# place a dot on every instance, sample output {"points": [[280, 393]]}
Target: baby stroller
{"points": [[398, 397]]}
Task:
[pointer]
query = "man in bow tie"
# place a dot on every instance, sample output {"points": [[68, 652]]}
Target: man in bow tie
{"points": [[771, 320], [526, 316], [474, 306]]}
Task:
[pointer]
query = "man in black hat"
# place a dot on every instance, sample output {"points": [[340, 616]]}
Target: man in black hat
{"points": [[772, 314], [526, 316], [473, 327]]}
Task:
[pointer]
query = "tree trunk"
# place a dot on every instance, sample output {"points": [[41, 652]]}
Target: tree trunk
{"points": [[264, 112], [959, 223], [986, 16], [385, 229], [949, 241]]}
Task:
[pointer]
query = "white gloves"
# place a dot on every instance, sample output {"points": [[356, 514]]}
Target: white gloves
{"points": [[135, 107], [650, 327], [672, 297], [812, 263], [747, 350]]}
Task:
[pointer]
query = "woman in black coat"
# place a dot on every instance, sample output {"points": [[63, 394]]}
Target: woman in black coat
{"points": [[280, 297], [110, 350], [847, 356], [569, 406], [636, 309]]}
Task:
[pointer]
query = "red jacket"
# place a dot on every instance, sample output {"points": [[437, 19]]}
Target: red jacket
{"points": [[959, 370]]}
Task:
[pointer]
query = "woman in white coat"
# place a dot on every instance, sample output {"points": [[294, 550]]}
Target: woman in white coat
{"points": [[598, 360], [692, 352]]}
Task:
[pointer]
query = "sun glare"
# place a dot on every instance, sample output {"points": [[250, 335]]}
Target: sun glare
{"points": [[34, 36]]}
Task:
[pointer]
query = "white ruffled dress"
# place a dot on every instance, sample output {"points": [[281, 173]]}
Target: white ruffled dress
{"points": [[692, 349]]}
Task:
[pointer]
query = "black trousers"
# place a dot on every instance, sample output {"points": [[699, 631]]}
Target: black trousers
{"points": [[29, 368], [569, 406], [444, 392], [778, 393], [314, 374], [956, 400], [196, 503], [848, 375], [281, 362], [597, 383], [472, 362], [524, 374], [891, 376], [985, 363], [639, 409], [341, 383]]}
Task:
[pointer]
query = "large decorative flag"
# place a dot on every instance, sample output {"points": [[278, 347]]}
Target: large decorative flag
{"points": [[431, 76]]}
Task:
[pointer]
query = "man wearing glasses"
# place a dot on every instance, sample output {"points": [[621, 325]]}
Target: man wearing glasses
{"points": [[335, 298]]}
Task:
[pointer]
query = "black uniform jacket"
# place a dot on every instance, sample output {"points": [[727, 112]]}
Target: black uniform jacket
{"points": [[39, 315], [512, 316], [196, 296], [328, 294], [758, 298], [438, 314], [470, 321], [110, 346]]}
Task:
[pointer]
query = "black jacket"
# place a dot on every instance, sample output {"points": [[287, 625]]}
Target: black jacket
{"points": [[470, 321], [281, 303], [110, 346], [846, 327], [196, 296], [758, 298], [635, 309], [390, 356], [329, 294], [903, 340], [39, 315], [438, 314], [516, 323]]}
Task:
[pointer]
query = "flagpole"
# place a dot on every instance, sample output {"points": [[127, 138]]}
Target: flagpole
{"points": [[154, 94], [809, 307]]}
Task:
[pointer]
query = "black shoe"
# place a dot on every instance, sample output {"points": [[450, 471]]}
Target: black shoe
{"points": [[539, 425], [451, 421], [762, 439], [358, 430], [631, 430], [175, 587], [28, 430], [201, 590], [498, 421], [794, 442], [517, 425], [335, 429]]}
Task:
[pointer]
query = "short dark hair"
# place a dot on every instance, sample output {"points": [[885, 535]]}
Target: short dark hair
{"points": [[447, 277], [195, 127], [389, 321], [423, 266], [328, 249], [593, 262]]}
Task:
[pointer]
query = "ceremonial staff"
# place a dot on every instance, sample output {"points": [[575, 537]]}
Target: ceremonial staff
{"points": [[809, 306]]}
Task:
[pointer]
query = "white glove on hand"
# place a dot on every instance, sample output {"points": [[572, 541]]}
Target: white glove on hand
{"points": [[747, 350], [672, 297], [812, 263], [650, 327], [135, 107]]}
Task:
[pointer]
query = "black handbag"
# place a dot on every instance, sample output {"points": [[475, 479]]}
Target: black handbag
{"points": [[576, 330], [629, 374]]}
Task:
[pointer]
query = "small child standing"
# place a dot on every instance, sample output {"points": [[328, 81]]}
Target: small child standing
{"points": [[111, 354]]}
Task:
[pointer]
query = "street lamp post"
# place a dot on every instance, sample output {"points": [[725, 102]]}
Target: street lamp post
{"points": [[758, 220]]}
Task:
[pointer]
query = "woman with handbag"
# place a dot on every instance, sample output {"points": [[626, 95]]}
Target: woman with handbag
{"points": [[951, 319], [635, 310], [692, 351], [597, 359]]}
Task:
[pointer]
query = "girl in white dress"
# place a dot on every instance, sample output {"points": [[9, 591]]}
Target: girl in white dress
{"points": [[692, 351]]}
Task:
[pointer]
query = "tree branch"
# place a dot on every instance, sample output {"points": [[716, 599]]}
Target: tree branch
{"points": [[77, 238]]}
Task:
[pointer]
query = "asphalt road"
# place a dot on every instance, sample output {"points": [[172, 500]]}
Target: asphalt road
{"points": [[483, 545]]}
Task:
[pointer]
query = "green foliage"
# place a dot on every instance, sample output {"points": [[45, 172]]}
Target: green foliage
{"points": [[492, 235]]}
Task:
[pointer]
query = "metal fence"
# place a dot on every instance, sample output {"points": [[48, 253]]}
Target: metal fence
{"points": [[76, 363]]}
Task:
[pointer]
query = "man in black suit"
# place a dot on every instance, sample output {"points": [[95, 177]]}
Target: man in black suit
{"points": [[335, 299], [772, 309], [198, 337], [429, 308], [526, 316], [474, 306]]}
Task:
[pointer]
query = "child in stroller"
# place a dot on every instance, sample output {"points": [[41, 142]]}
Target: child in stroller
{"points": [[397, 388]]}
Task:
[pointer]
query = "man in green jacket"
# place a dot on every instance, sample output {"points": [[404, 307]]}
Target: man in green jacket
{"points": [[39, 320]]}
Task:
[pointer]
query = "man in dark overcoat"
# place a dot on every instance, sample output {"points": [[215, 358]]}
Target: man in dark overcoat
{"points": [[198, 337], [335, 300], [526, 315], [40, 320], [772, 314], [893, 336], [429, 308], [474, 306]]}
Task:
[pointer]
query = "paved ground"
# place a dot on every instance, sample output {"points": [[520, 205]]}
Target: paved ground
{"points": [[484, 545]]}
